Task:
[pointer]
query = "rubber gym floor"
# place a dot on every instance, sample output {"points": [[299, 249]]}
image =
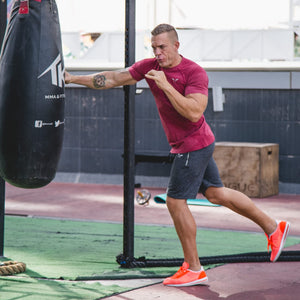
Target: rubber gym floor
{"points": [[104, 203]]}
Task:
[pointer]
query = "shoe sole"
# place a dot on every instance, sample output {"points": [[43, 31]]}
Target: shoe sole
{"points": [[285, 234], [196, 282]]}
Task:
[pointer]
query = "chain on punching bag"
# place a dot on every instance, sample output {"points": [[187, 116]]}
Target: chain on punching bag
{"points": [[32, 95]]}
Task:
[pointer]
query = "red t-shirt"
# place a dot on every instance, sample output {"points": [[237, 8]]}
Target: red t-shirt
{"points": [[187, 78]]}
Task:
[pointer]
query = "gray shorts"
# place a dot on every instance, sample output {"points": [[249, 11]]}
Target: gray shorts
{"points": [[193, 172]]}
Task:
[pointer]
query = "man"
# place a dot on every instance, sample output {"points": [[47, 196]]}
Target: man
{"points": [[180, 89]]}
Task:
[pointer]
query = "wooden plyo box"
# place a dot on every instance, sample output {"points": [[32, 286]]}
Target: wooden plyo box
{"points": [[251, 168]]}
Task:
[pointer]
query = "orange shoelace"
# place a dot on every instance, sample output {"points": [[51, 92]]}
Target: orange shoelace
{"points": [[181, 271], [270, 243]]}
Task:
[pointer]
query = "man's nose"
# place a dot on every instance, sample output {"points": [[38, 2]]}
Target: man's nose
{"points": [[157, 52]]}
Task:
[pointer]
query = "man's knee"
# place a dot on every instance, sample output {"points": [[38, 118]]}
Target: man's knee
{"points": [[215, 195], [174, 204]]}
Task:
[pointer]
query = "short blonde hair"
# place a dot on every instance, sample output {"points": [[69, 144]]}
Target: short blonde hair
{"points": [[162, 28]]}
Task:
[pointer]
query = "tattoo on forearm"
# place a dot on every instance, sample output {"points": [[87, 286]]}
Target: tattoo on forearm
{"points": [[99, 81]]}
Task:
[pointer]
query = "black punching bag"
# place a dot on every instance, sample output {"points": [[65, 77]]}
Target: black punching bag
{"points": [[32, 96]]}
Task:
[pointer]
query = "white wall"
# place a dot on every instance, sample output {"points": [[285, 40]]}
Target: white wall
{"points": [[100, 15]]}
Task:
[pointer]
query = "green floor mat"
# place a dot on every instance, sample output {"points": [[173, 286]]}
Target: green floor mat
{"points": [[161, 199], [71, 249], [12, 288], [77, 250]]}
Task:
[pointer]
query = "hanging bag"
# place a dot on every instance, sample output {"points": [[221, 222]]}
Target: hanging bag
{"points": [[32, 95]]}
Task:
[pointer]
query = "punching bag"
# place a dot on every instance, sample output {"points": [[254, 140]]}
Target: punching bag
{"points": [[32, 95]]}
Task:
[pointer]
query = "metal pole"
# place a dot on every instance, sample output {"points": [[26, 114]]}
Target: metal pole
{"points": [[3, 20], [129, 137], [2, 214]]}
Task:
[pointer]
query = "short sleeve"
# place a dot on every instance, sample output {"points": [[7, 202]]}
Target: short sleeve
{"points": [[140, 68], [197, 81]]}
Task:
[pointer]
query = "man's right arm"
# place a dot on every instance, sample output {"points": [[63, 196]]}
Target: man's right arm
{"points": [[102, 80]]}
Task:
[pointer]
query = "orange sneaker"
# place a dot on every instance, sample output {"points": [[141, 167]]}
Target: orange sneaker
{"points": [[277, 239], [186, 277]]}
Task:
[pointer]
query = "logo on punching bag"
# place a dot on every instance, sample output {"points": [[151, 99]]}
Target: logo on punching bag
{"points": [[41, 124], [57, 72]]}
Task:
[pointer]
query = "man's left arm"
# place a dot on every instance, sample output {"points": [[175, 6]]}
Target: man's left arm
{"points": [[191, 106]]}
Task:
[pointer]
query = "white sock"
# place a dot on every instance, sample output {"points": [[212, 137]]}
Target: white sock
{"points": [[277, 222], [201, 269]]}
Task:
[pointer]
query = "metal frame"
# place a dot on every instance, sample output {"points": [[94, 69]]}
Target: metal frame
{"points": [[2, 214], [129, 137], [3, 21]]}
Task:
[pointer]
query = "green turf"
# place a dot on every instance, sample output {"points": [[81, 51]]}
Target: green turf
{"points": [[12, 288], [75, 250]]}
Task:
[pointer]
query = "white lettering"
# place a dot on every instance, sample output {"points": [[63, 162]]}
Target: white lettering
{"points": [[57, 72], [55, 97]]}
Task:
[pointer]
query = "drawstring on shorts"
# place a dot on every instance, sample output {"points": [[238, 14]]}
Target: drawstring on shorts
{"points": [[187, 159]]}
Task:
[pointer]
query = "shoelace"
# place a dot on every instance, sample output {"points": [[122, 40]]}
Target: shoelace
{"points": [[270, 243], [181, 271]]}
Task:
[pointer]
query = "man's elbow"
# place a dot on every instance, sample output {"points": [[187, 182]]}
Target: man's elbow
{"points": [[195, 117]]}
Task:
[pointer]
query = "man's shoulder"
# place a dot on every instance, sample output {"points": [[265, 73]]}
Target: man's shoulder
{"points": [[142, 67], [146, 62], [188, 63], [195, 75]]}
